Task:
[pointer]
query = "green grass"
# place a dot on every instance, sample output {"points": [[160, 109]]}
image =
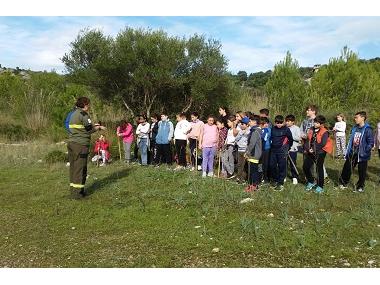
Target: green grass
{"points": [[147, 217]]}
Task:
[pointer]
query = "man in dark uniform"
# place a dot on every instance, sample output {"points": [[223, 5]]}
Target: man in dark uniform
{"points": [[78, 145]]}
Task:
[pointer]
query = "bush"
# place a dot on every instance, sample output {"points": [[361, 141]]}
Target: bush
{"points": [[56, 156], [14, 133]]}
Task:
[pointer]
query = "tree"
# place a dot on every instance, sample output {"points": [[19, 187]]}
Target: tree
{"points": [[347, 84], [148, 70], [286, 90], [242, 75]]}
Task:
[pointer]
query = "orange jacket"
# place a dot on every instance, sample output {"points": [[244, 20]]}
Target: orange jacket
{"points": [[328, 147]]}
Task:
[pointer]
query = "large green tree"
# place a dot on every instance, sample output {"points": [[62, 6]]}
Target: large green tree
{"points": [[148, 71], [286, 89]]}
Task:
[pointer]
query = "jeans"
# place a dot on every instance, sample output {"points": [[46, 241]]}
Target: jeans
{"points": [[349, 166], [180, 146], [127, 151], [254, 175], [241, 167], [228, 164], [278, 166], [143, 146], [208, 154], [307, 168], [164, 154]]}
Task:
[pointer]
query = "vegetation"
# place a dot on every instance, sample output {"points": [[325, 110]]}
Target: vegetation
{"points": [[148, 217]]}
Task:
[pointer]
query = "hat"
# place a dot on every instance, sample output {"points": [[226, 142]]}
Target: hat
{"points": [[245, 120]]}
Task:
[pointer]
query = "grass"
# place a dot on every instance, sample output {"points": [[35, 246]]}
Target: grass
{"points": [[147, 217]]}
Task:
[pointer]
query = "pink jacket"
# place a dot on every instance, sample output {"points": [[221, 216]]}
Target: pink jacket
{"points": [[195, 129], [210, 136], [126, 133]]}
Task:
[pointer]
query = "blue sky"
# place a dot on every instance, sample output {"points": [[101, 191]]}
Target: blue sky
{"points": [[249, 43]]}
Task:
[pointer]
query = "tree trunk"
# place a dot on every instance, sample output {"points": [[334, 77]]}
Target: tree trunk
{"points": [[188, 106], [128, 108]]}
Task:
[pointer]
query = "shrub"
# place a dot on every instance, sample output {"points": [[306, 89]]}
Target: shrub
{"points": [[56, 156]]}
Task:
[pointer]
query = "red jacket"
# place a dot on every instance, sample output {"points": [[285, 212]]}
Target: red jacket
{"points": [[102, 145], [328, 146]]}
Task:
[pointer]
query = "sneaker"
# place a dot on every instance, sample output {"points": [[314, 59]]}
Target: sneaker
{"points": [[178, 167], [192, 168], [284, 180], [309, 186], [342, 187], [230, 176], [102, 164], [251, 188], [204, 174], [360, 190], [318, 190], [327, 180], [279, 187], [210, 174], [295, 181], [199, 167]]}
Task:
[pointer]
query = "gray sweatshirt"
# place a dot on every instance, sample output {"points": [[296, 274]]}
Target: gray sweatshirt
{"points": [[254, 148], [242, 140], [296, 134]]}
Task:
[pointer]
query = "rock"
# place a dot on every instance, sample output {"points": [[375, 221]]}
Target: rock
{"points": [[73, 228], [246, 200], [270, 215], [215, 250]]}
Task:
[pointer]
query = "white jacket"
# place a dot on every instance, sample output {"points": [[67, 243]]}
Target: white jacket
{"points": [[142, 131], [181, 130]]}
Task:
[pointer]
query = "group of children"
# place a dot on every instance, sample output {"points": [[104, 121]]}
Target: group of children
{"points": [[249, 147]]}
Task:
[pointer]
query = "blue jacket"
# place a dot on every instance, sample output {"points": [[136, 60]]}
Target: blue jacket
{"points": [[366, 143], [165, 132], [266, 138], [281, 139]]}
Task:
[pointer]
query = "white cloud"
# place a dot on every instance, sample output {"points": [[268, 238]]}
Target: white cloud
{"points": [[250, 43]]}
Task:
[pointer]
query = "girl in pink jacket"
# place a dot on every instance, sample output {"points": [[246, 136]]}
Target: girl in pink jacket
{"points": [[125, 131]]}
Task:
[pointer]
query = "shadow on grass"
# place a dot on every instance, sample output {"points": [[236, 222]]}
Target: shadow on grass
{"points": [[333, 174], [107, 181]]}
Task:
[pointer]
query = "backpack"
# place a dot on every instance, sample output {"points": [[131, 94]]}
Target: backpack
{"points": [[67, 121]]}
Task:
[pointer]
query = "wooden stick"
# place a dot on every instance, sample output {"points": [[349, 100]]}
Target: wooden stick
{"points": [[118, 142], [219, 163]]}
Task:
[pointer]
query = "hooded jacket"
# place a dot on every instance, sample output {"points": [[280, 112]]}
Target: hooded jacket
{"points": [[254, 147], [165, 132], [366, 143]]}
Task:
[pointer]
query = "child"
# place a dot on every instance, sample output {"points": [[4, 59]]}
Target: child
{"points": [[317, 145], [264, 113], [340, 136], [208, 140], [142, 133], [242, 143], [125, 131], [253, 153], [152, 138], [182, 128], [228, 164], [296, 134], [377, 138], [358, 152], [136, 146], [281, 140], [193, 136], [102, 150], [266, 141], [221, 147], [163, 139]]}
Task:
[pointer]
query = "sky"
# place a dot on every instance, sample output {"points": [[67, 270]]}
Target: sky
{"points": [[250, 43]]}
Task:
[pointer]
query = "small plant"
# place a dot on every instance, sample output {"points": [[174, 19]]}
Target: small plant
{"points": [[56, 156]]}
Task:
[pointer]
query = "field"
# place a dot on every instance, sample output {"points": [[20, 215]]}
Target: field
{"points": [[148, 217]]}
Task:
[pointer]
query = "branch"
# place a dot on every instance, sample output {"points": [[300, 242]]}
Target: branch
{"points": [[187, 107], [128, 108]]}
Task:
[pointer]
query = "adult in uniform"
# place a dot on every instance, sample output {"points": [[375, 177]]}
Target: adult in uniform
{"points": [[78, 145]]}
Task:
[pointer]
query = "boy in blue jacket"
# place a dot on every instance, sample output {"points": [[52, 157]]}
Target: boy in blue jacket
{"points": [[281, 140], [163, 138], [358, 152], [266, 140]]}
